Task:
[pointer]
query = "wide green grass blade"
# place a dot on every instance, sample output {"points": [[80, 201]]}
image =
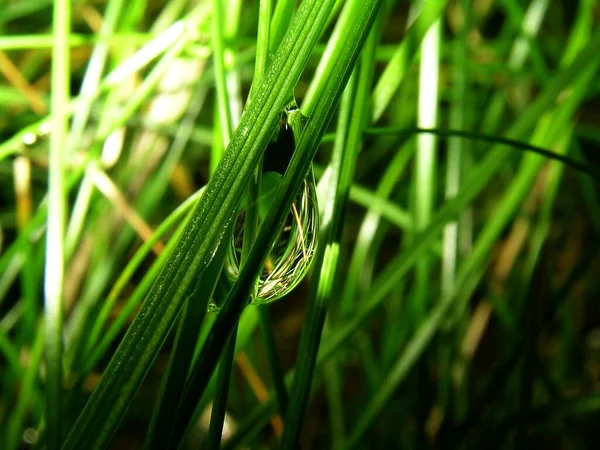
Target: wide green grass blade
{"points": [[226, 120], [204, 231], [297, 170], [192, 316]]}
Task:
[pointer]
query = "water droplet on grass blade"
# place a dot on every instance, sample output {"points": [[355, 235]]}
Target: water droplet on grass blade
{"points": [[293, 249], [292, 253]]}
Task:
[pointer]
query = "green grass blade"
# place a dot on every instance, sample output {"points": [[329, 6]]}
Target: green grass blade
{"points": [[343, 165], [57, 209], [425, 179], [215, 429], [282, 15], [394, 73], [193, 314], [224, 130], [204, 231], [297, 170], [508, 143]]}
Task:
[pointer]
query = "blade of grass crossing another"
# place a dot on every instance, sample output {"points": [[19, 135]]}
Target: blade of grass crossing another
{"points": [[425, 158], [474, 183], [265, 24], [193, 313], [326, 260], [95, 67], [297, 170], [394, 72], [202, 234]]}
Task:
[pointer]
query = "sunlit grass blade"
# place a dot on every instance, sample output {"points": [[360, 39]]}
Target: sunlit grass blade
{"points": [[57, 210], [395, 71]]}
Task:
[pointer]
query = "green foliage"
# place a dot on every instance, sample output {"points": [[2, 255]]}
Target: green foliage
{"points": [[167, 253]]}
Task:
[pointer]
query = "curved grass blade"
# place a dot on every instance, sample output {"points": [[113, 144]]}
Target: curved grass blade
{"points": [[493, 139]]}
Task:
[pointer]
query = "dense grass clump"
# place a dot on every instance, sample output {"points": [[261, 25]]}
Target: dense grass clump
{"points": [[317, 224]]}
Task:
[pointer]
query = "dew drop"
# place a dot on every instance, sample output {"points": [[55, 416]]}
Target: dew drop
{"points": [[292, 253]]}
